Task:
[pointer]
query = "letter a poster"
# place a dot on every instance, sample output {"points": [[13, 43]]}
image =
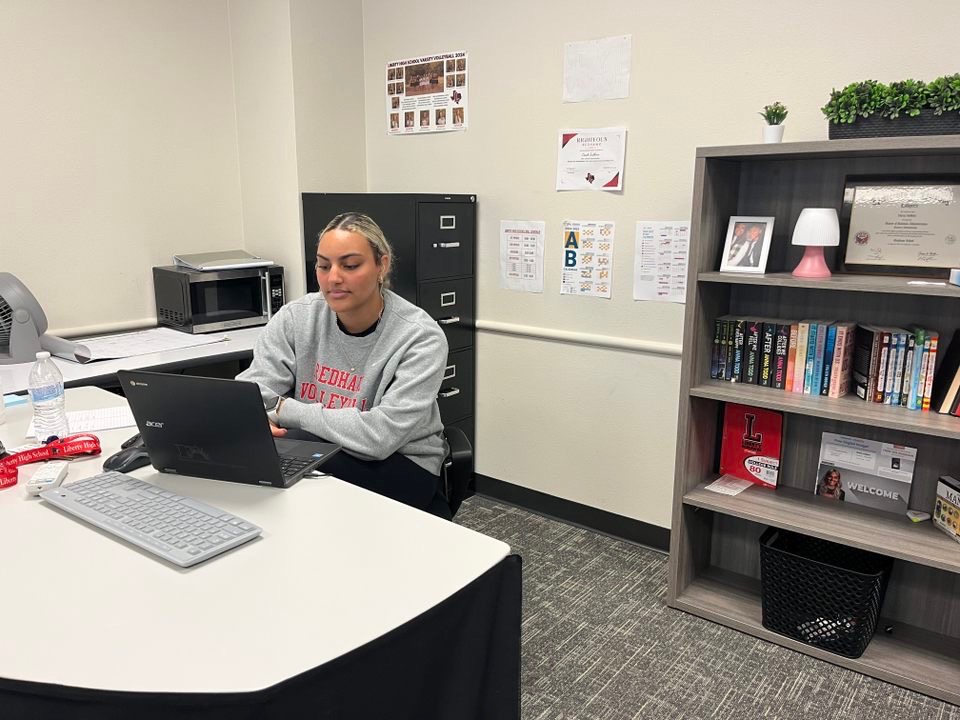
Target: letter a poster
{"points": [[587, 258]]}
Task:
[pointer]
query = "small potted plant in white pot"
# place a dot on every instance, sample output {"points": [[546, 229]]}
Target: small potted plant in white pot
{"points": [[774, 114]]}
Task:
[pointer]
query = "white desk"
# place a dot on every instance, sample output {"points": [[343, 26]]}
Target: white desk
{"points": [[239, 344], [336, 567]]}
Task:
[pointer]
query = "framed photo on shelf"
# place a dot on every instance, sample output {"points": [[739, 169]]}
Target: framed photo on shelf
{"points": [[903, 225], [747, 244]]}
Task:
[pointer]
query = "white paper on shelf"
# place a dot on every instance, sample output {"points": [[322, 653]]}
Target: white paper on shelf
{"points": [[728, 485], [143, 342]]}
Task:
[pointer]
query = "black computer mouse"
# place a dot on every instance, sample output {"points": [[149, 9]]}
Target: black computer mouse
{"points": [[129, 459]]}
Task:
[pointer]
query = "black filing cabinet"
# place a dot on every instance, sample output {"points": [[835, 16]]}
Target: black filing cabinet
{"points": [[434, 240]]}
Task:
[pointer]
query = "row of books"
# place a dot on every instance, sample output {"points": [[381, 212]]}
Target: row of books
{"points": [[812, 357], [892, 366], [895, 366]]}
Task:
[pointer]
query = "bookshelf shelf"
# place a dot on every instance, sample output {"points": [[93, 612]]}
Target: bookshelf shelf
{"points": [[855, 525], [849, 408], [890, 284], [714, 551], [914, 660]]}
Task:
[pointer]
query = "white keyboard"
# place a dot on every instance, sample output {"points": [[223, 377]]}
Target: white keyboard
{"points": [[178, 529]]}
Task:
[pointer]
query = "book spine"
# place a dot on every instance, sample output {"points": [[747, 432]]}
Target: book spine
{"points": [[828, 353], [725, 365], [803, 334], [922, 381], [896, 366], [715, 357], [781, 344], [811, 357], [791, 357], [817, 381], [738, 331], [882, 367], [920, 348], [907, 370], [751, 352], [766, 354], [846, 367], [931, 367], [875, 348], [862, 342], [837, 365]]}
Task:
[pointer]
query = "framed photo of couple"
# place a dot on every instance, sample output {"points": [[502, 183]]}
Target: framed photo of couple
{"points": [[747, 245]]}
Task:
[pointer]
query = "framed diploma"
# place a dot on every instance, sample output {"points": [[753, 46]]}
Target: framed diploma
{"points": [[901, 226]]}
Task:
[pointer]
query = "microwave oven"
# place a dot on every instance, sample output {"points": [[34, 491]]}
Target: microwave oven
{"points": [[197, 301]]}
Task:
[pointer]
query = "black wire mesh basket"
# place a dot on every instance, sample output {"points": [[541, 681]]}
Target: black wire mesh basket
{"points": [[821, 593]]}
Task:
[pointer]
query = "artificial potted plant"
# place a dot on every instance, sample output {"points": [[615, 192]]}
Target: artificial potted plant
{"points": [[774, 114], [906, 107]]}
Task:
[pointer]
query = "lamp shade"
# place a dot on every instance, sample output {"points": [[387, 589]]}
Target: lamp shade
{"points": [[818, 227]]}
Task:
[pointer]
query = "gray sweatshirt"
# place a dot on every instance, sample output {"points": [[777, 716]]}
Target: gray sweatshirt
{"points": [[373, 395]]}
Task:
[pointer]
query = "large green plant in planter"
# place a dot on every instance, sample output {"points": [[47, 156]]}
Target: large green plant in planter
{"points": [[943, 94], [904, 107], [907, 97], [856, 100]]}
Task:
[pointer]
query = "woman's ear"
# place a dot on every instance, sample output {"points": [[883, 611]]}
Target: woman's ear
{"points": [[384, 267]]}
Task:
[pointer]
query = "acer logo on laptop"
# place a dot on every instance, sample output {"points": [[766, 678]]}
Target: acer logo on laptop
{"points": [[154, 424]]}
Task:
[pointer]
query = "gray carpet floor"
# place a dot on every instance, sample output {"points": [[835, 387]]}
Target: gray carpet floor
{"points": [[600, 643]]}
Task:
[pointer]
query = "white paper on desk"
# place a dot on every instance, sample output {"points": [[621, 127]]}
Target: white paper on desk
{"points": [[94, 420], [597, 69], [143, 342], [660, 260]]}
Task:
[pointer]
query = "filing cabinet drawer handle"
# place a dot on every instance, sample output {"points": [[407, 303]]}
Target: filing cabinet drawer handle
{"points": [[450, 372], [448, 222], [449, 320], [447, 299], [449, 393], [447, 246]]}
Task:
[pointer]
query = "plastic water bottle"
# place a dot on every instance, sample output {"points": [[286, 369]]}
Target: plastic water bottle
{"points": [[46, 394]]}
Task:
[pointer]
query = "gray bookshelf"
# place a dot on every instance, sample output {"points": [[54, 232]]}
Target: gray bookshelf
{"points": [[714, 553]]}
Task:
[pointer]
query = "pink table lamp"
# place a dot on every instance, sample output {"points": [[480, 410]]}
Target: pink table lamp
{"points": [[816, 229]]}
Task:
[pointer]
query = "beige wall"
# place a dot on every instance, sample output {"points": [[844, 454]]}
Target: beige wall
{"points": [[592, 425], [133, 129], [119, 148]]}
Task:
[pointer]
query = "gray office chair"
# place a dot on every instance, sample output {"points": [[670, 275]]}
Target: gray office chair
{"points": [[456, 475]]}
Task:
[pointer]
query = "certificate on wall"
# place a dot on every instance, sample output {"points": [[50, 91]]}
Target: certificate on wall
{"points": [[521, 255], [909, 227], [587, 258], [426, 94], [591, 159]]}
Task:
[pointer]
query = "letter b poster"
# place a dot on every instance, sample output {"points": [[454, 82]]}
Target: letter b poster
{"points": [[587, 258]]}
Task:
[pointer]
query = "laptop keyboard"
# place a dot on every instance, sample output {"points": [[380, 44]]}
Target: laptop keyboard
{"points": [[291, 467], [178, 529]]}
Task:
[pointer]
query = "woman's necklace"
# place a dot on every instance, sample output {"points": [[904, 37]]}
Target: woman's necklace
{"points": [[344, 345]]}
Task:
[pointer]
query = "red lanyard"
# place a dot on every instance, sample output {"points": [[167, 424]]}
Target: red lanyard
{"points": [[68, 447]]}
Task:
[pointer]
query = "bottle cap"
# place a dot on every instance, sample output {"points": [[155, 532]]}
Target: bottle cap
{"points": [[43, 355]]}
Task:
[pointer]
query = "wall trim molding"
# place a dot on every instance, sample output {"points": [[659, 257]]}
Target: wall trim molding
{"points": [[578, 338], [608, 523]]}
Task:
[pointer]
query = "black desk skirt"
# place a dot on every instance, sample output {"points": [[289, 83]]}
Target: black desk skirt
{"points": [[460, 659]]}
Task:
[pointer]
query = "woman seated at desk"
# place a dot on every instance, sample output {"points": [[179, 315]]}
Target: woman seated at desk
{"points": [[358, 365]]}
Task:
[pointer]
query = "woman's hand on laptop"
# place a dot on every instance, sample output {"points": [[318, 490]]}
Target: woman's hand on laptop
{"points": [[276, 431]]}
